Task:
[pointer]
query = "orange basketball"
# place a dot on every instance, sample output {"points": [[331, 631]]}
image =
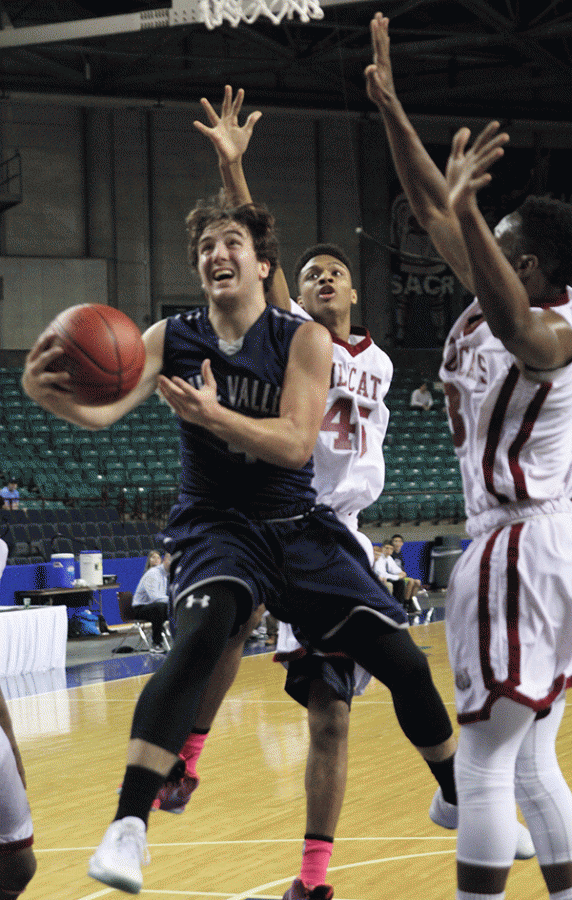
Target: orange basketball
{"points": [[104, 352]]}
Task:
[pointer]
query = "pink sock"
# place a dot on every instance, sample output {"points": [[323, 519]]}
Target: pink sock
{"points": [[192, 750], [315, 861]]}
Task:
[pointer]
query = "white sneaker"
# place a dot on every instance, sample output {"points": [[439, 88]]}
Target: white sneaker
{"points": [[524, 846], [118, 859], [442, 813], [446, 815]]}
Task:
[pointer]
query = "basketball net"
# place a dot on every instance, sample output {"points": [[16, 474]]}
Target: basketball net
{"points": [[214, 12]]}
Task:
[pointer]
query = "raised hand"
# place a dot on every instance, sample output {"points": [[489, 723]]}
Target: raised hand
{"points": [[467, 167], [378, 75], [195, 405], [229, 138]]}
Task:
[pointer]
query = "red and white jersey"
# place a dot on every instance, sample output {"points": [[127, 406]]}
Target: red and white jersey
{"points": [[348, 457], [512, 427], [349, 469], [16, 830]]}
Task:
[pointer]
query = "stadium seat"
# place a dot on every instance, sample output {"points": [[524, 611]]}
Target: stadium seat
{"points": [[428, 508], [408, 507], [388, 508], [370, 513], [134, 547], [107, 547]]}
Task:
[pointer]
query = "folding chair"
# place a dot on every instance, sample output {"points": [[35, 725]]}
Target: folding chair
{"points": [[138, 626], [129, 617]]}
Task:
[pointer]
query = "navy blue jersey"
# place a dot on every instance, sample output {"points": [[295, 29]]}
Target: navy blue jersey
{"points": [[249, 381]]}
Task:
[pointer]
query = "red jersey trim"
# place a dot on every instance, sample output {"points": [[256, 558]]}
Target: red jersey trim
{"points": [[494, 432], [283, 656], [355, 349], [560, 301], [530, 417], [12, 846]]}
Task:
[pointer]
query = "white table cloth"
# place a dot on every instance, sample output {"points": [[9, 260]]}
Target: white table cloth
{"points": [[32, 640]]}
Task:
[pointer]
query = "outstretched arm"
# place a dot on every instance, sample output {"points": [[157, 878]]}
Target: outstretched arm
{"points": [[541, 339], [424, 185], [53, 391], [230, 141]]}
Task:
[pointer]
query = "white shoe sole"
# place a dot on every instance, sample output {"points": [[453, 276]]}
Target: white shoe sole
{"points": [[114, 879]]}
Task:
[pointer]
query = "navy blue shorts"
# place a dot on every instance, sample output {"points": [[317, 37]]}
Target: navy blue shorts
{"points": [[335, 671], [308, 570]]}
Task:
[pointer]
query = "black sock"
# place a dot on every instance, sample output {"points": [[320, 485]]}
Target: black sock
{"points": [[445, 775], [140, 787]]}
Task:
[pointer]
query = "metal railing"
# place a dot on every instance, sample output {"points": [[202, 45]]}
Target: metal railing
{"points": [[11, 174]]}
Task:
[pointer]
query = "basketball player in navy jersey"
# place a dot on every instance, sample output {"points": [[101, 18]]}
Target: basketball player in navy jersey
{"points": [[507, 368], [249, 384]]}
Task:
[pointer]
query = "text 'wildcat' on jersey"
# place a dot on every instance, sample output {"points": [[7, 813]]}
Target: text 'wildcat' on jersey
{"points": [[249, 374]]}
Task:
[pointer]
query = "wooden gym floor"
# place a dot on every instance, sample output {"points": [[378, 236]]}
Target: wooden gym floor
{"points": [[242, 832]]}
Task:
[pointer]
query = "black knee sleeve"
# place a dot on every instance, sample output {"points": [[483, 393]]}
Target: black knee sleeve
{"points": [[167, 707], [393, 658]]}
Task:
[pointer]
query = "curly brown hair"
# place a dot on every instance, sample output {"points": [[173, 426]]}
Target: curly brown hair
{"points": [[255, 217]]}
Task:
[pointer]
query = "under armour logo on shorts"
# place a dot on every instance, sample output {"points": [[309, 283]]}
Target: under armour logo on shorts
{"points": [[462, 680], [203, 600]]}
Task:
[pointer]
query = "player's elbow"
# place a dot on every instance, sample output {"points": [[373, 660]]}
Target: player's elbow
{"points": [[297, 458], [298, 452]]}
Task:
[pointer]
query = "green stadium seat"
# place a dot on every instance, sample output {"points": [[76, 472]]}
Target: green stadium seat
{"points": [[408, 506], [134, 463], [91, 476], [388, 508], [113, 465], [141, 439], [165, 477], [83, 439], [370, 513], [140, 477], [87, 452], [83, 491], [121, 439], [115, 477]]}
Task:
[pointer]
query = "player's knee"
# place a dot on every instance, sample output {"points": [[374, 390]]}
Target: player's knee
{"points": [[16, 871], [413, 673], [328, 724]]}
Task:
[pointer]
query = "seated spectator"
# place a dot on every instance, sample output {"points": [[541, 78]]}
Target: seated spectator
{"points": [[150, 600], [397, 542], [421, 397], [381, 570], [10, 495], [404, 588]]}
